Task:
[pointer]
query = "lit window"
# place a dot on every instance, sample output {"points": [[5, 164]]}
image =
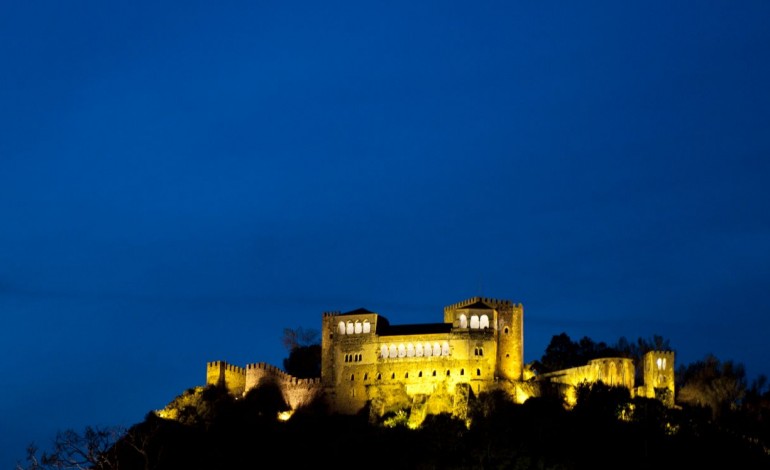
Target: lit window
{"points": [[463, 321], [445, 349], [384, 351], [484, 323], [475, 322], [358, 328], [436, 349], [341, 327], [367, 326], [410, 350], [401, 350], [428, 351], [418, 350], [350, 328], [392, 352]]}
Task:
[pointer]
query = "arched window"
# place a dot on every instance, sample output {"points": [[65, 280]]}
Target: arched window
{"points": [[366, 376], [418, 350], [436, 349], [350, 328], [505, 330], [484, 323], [445, 349], [478, 372], [384, 351], [406, 376], [352, 376], [481, 351], [392, 351], [428, 350], [379, 376], [358, 327], [434, 373], [367, 326], [463, 321], [420, 374], [475, 322], [393, 375], [462, 371], [341, 327], [401, 350], [447, 372], [410, 350]]}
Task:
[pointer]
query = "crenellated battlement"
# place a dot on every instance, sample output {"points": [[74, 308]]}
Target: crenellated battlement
{"points": [[332, 313]]}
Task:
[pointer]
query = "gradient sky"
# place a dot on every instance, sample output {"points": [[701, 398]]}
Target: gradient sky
{"points": [[180, 181]]}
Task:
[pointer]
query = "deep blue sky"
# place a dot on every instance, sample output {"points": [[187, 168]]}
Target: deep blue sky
{"points": [[179, 182]]}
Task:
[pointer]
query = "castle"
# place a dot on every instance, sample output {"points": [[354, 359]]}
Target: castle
{"points": [[435, 368]]}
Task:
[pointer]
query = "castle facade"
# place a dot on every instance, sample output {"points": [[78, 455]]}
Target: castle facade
{"points": [[434, 367]]}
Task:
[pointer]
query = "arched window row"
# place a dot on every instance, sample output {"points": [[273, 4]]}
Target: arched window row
{"points": [[354, 328], [414, 350], [476, 322], [353, 357], [478, 352], [433, 373]]}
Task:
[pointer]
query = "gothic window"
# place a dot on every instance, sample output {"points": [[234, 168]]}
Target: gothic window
{"points": [[410, 350], [341, 327], [401, 350], [475, 322], [418, 350], [428, 350], [367, 326], [379, 376], [463, 321], [392, 352], [484, 323], [384, 351], [350, 328], [436, 349], [358, 327], [445, 349]]}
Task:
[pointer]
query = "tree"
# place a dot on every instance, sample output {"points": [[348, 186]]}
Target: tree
{"points": [[712, 383], [73, 450], [300, 337], [304, 359]]}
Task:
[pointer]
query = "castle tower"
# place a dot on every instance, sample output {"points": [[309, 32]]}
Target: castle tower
{"points": [[510, 351], [658, 375], [328, 330]]}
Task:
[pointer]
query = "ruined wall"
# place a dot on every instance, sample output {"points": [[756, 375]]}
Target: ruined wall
{"points": [[232, 377]]}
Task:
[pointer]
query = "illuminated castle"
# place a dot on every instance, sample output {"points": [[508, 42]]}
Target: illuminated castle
{"points": [[434, 368]]}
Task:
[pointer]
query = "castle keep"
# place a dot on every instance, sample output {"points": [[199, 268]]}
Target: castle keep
{"points": [[434, 367]]}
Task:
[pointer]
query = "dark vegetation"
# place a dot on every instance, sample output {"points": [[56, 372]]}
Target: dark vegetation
{"points": [[720, 420]]}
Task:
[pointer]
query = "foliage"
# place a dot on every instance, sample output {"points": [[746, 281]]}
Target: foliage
{"points": [[304, 362], [712, 383]]}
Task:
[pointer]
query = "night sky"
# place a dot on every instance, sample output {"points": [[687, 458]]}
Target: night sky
{"points": [[180, 181]]}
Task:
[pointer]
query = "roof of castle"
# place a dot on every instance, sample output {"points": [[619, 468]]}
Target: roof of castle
{"points": [[357, 311], [478, 305], [414, 329]]}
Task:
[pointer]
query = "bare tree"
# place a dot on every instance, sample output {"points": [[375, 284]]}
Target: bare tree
{"points": [[72, 450]]}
